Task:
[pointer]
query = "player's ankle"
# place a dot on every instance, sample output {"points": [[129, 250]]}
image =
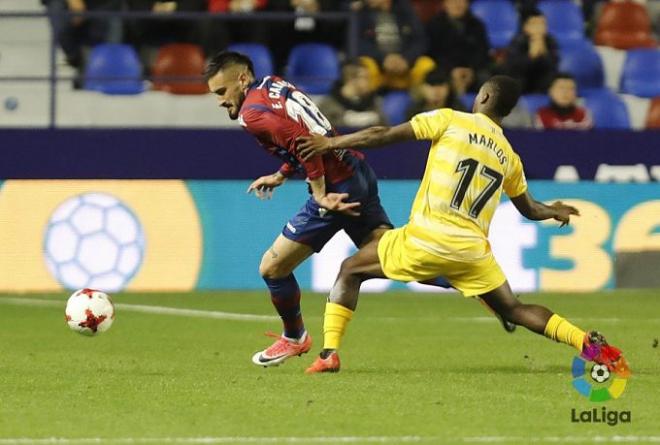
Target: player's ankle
{"points": [[325, 353]]}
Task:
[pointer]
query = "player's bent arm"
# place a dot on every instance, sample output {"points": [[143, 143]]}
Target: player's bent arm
{"points": [[532, 209], [538, 211], [332, 201], [309, 146], [374, 137], [318, 188]]}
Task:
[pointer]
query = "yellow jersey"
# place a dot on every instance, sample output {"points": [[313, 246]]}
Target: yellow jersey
{"points": [[469, 163]]}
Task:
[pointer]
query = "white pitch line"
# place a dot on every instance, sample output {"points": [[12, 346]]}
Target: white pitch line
{"points": [[220, 315], [162, 310], [327, 439], [212, 440]]}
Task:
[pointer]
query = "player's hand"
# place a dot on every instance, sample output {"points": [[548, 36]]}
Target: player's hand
{"points": [[312, 145], [263, 187], [563, 212], [335, 203]]}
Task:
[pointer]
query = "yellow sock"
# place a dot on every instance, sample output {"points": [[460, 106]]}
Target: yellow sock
{"points": [[334, 324], [562, 331]]}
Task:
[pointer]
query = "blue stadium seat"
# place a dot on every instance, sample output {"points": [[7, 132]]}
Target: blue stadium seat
{"points": [[641, 73], [583, 62], [468, 100], [313, 67], [565, 21], [607, 109], [114, 69], [395, 106], [260, 56], [500, 18], [533, 102]]}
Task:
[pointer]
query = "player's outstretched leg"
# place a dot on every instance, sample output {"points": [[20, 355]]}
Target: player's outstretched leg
{"points": [[276, 268], [506, 324], [443, 283], [591, 345], [343, 301]]}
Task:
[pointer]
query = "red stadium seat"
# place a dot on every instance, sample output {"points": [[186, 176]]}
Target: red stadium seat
{"points": [[624, 25], [178, 69], [427, 9], [653, 118]]}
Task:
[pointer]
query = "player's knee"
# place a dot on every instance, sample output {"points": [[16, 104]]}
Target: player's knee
{"points": [[349, 267], [272, 269], [512, 310]]}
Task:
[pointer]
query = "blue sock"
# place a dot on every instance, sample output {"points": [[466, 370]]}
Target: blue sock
{"points": [[285, 295]]}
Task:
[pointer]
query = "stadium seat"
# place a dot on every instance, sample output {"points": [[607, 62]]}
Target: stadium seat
{"points": [[178, 68], [565, 21], [468, 100], [607, 109], [533, 102], [114, 69], [426, 9], [395, 107], [260, 56], [500, 18], [641, 73], [584, 63], [624, 25], [313, 67], [653, 118]]}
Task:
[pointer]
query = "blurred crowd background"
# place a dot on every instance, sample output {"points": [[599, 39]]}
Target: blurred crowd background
{"points": [[581, 64]]}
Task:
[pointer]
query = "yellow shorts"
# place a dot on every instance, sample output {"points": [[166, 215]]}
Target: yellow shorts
{"points": [[403, 260]]}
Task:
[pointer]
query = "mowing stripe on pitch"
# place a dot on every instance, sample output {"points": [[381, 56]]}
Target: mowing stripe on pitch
{"points": [[220, 315], [329, 439], [163, 310]]}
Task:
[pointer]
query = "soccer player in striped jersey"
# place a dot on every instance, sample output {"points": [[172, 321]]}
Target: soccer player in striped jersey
{"points": [[469, 165], [343, 187]]}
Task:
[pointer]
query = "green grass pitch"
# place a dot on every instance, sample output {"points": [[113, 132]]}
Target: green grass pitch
{"points": [[416, 368]]}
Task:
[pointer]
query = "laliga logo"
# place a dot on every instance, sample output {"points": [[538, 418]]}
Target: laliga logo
{"points": [[599, 374]]}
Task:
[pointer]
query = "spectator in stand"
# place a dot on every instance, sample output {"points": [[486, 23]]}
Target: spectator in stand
{"points": [[220, 33], [146, 32], [76, 33], [304, 28], [459, 44], [392, 43], [353, 103], [563, 113], [533, 54], [435, 92], [236, 5]]}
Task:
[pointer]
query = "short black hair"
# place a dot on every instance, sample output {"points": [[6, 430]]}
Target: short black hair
{"points": [[528, 13], [505, 91], [562, 75], [437, 76], [224, 59]]}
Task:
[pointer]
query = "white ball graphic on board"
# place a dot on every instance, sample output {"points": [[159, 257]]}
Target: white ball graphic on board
{"points": [[93, 240]]}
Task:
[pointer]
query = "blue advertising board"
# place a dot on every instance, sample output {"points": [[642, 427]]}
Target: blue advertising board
{"points": [[199, 234]]}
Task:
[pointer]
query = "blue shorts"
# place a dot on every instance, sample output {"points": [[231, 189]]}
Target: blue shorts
{"points": [[314, 228]]}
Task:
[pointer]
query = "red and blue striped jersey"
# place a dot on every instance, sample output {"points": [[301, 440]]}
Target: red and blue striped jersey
{"points": [[277, 113]]}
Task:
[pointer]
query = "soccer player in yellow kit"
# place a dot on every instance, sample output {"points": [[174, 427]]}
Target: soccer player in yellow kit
{"points": [[469, 164]]}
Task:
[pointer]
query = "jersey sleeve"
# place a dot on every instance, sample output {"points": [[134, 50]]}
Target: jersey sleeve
{"points": [[431, 124], [515, 183], [275, 130], [287, 170]]}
